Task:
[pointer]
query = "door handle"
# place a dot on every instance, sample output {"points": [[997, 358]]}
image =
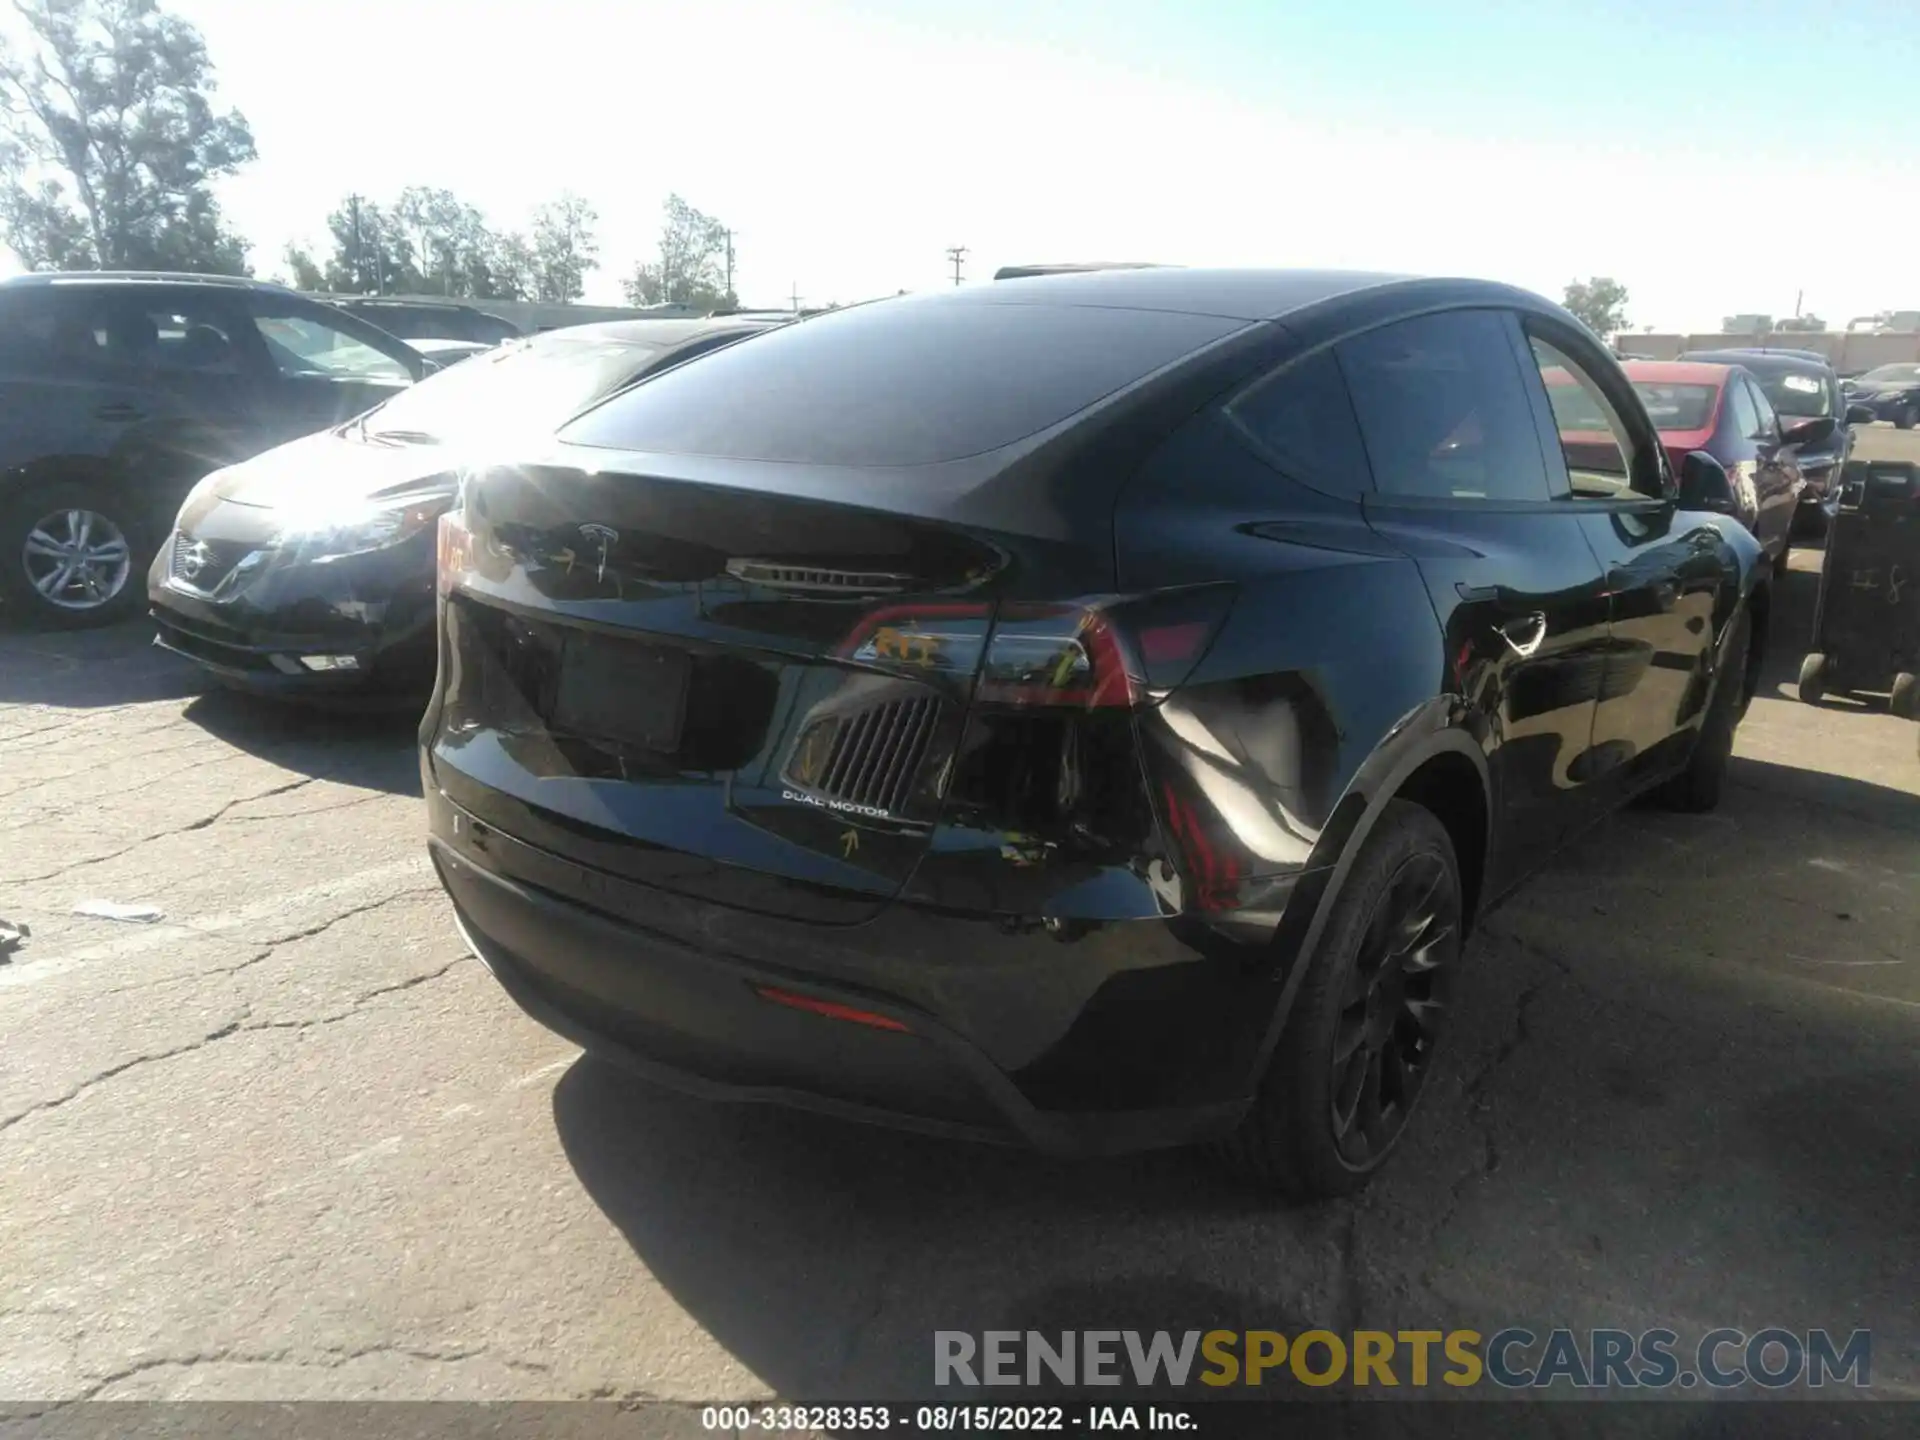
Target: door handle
{"points": [[118, 412], [1525, 634]]}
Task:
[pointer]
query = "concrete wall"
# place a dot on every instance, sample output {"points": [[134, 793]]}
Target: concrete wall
{"points": [[1850, 352]]}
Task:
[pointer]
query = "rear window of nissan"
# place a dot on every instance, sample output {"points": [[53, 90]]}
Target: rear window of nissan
{"points": [[896, 383]]}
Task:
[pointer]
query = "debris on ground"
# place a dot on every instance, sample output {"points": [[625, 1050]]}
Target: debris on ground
{"points": [[13, 933], [114, 910]]}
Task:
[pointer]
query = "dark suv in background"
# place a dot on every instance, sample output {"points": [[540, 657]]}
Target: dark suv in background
{"points": [[1087, 710], [119, 391], [425, 320]]}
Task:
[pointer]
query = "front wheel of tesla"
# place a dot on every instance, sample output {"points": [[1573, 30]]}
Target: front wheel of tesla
{"points": [[1359, 1043]]}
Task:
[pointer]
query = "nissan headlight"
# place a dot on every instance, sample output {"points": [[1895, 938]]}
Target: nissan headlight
{"points": [[321, 538]]}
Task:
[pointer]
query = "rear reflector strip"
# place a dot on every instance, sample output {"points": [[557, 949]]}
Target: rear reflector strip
{"points": [[828, 1008]]}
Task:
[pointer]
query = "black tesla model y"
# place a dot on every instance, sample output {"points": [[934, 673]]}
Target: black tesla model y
{"points": [[1087, 710]]}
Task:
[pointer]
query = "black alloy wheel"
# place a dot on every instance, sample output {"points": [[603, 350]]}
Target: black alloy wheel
{"points": [[1359, 1042], [1397, 992]]}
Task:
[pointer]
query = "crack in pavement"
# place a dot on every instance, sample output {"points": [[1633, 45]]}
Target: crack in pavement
{"points": [[194, 742], [315, 810], [1474, 1091], [359, 1001], [201, 824], [319, 1357], [105, 1075], [274, 943], [233, 1027], [10, 739]]}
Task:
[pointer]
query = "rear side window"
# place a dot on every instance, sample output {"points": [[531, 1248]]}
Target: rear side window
{"points": [[123, 332], [1766, 422], [27, 331], [1746, 417], [898, 382], [1444, 410], [1301, 422], [1594, 440]]}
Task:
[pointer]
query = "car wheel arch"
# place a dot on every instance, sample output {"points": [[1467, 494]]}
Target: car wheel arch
{"points": [[1429, 758], [99, 477]]}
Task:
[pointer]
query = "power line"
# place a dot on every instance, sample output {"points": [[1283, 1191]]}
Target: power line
{"points": [[956, 253]]}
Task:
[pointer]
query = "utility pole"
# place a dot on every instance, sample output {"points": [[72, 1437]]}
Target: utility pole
{"points": [[359, 256], [956, 253], [1798, 297], [796, 297], [729, 235]]}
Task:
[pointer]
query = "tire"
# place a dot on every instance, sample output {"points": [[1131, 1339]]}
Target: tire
{"points": [[1904, 700], [1813, 679], [1377, 984], [1696, 789], [1905, 416], [43, 529]]}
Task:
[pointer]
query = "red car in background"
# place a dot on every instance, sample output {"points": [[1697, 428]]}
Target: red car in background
{"points": [[1722, 410]]}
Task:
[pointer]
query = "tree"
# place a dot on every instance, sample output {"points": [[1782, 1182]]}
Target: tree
{"points": [[1600, 304], [1803, 323], [513, 268], [302, 272], [691, 268], [1746, 325], [109, 141], [564, 248], [449, 244], [370, 251]]}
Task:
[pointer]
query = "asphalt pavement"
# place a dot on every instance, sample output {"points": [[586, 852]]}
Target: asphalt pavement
{"points": [[290, 1141]]}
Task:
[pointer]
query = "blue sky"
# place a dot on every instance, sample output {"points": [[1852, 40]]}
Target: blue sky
{"points": [[1714, 156]]}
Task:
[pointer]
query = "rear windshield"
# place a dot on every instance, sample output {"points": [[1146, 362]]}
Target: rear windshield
{"points": [[898, 382], [1802, 396], [1894, 374], [1677, 407]]}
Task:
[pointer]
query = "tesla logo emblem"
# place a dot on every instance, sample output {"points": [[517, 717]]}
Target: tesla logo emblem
{"points": [[195, 560], [606, 538]]}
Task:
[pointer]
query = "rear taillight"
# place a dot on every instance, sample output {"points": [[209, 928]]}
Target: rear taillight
{"points": [[453, 551], [1093, 655], [1062, 656], [946, 639]]}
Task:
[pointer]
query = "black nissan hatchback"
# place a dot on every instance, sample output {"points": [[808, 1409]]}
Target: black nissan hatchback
{"points": [[307, 571], [1088, 710]]}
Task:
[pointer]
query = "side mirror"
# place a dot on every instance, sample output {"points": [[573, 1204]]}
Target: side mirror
{"points": [[1860, 415], [1705, 485], [1809, 432]]}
